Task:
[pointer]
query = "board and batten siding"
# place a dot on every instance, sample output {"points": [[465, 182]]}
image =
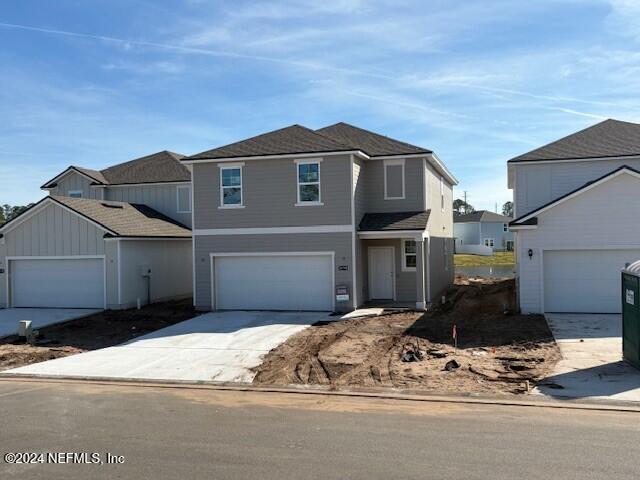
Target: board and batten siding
{"points": [[163, 198], [73, 181], [269, 195], [51, 232], [539, 184], [339, 243], [596, 219]]}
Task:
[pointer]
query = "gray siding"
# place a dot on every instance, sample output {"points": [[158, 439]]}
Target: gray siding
{"points": [[440, 220], [496, 231], [269, 195], [170, 263], [374, 192], [340, 243], [440, 266], [163, 198], [75, 181], [467, 233], [359, 204], [111, 257]]}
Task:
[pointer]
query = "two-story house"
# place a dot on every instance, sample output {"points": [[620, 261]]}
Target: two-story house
{"points": [[574, 203], [102, 239], [483, 227], [328, 219]]}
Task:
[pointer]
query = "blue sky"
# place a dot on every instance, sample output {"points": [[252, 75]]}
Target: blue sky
{"points": [[94, 83]]}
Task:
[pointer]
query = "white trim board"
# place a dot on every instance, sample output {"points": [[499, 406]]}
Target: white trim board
{"points": [[278, 156], [408, 234], [273, 230], [61, 175]]}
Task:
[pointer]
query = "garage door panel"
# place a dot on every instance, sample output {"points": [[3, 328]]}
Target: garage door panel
{"points": [[57, 283], [584, 281], [281, 282]]}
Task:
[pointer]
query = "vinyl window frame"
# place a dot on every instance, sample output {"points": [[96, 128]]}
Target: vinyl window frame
{"points": [[310, 161], [406, 268], [75, 194], [181, 187], [505, 227], [232, 166], [489, 242], [394, 163]]}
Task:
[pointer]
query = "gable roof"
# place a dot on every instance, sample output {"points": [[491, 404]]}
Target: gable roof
{"points": [[372, 222], [160, 167], [373, 144], [530, 218], [294, 139], [117, 219], [610, 138], [480, 216]]}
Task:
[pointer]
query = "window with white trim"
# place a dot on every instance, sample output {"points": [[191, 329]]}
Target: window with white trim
{"points": [[183, 194], [231, 186], [308, 178], [488, 242], [75, 193], [409, 255], [505, 227]]}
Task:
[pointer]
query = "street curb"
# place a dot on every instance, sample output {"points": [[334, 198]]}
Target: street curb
{"points": [[401, 395]]}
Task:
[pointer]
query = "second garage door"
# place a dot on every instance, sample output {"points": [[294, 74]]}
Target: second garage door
{"points": [[282, 282], [57, 283], [584, 281]]}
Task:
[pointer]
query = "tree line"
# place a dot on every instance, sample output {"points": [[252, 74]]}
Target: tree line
{"points": [[460, 206], [9, 212]]}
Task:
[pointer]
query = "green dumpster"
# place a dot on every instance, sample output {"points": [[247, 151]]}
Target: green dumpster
{"points": [[631, 314]]}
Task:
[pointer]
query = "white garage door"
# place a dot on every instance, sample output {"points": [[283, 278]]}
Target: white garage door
{"points": [[584, 281], [287, 282], [63, 283]]}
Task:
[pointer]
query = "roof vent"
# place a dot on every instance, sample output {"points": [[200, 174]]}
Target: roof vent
{"points": [[112, 205]]}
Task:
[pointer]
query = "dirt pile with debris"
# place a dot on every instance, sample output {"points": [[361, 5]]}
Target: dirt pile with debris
{"points": [[104, 329], [497, 352]]}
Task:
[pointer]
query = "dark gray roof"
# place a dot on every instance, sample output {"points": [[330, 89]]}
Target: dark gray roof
{"points": [[611, 138], [372, 222], [373, 144], [480, 216], [125, 219], [158, 167], [295, 139]]}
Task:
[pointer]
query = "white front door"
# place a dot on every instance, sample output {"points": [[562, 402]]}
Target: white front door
{"points": [[381, 273]]}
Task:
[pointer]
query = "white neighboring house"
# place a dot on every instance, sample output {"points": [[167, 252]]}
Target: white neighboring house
{"points": [[102, 239], [574, 208]]}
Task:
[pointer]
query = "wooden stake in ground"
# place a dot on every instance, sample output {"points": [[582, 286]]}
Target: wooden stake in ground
{"points": [[454, 334]]}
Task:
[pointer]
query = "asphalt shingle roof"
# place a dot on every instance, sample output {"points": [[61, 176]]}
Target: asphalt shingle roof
{"points": [[480, 216], [125, 219], [611, 138], [372, 222], [373, 144], [288, 140]]}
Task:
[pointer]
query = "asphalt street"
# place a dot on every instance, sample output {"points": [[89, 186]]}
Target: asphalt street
{"points": [[172, 433]]}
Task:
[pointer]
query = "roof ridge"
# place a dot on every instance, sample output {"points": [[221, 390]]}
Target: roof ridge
{"points": [[371, 132]]}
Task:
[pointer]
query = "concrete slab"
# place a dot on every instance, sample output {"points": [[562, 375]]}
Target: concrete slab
{"points": [[222, 346], [591, 365], [40, 317]]}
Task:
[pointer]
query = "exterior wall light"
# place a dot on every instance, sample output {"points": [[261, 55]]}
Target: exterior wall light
{"points": [[530, 253]]}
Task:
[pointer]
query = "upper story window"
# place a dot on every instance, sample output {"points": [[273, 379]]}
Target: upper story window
{"points": [[442, 203], [184, 198], [75, 193], [231, 186], [394, 179], [409, 255], [505, 227], [308, 174]]}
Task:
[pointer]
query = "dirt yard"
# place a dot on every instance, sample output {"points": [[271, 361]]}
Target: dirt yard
{"points": [[104, 329], [497, 352]]}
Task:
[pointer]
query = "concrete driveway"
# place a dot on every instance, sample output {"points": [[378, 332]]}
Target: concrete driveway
{"points": [[591, 365], [40, 317], [216, 346]]}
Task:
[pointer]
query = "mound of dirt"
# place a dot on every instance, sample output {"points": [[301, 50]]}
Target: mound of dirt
{"points": [[497, 351]]}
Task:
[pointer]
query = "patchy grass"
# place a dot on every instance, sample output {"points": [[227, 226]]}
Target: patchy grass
{"points": [[498, 258]]}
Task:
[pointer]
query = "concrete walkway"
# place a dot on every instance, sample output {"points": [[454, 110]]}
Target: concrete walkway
{"points": [[591, 365], [40, 317], [222, 346]]}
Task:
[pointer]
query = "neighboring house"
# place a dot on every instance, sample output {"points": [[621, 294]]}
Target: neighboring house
{"points": [[102, 239], [330, 219], [483, 228], [574, 203]]}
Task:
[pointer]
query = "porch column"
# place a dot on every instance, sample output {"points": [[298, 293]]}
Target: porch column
{"points": [[420, 269]]}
